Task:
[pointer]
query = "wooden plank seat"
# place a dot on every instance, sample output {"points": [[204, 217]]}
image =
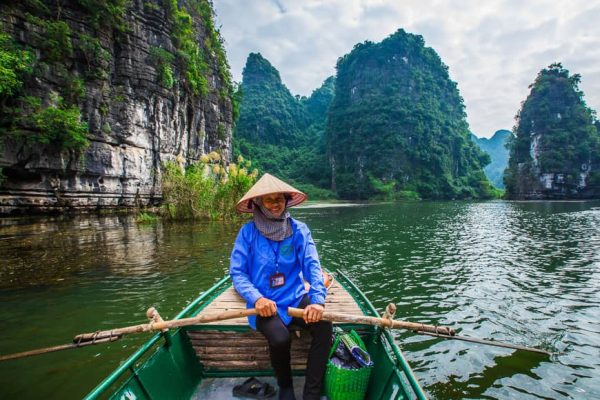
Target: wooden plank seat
{"points": [[235, 349], [232, 350]]}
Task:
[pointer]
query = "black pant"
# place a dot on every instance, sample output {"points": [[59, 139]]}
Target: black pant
{"points": [[279, 339]]}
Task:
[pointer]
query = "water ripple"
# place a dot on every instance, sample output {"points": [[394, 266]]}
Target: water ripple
{"points": [[522, 272], [525, 273]]}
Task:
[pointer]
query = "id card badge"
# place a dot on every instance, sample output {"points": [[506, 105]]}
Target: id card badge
{"points": [[277, 280]]}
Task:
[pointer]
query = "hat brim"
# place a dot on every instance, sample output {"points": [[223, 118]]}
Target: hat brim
{"points": [[268, 184]]}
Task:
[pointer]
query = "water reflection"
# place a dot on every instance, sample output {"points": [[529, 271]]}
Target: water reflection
{"points": [[60, 277], [51, 252]]}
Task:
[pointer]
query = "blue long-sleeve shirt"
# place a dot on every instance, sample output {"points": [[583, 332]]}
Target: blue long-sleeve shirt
{"points": [[253, 263]]}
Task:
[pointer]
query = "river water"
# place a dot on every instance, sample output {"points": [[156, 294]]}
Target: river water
{"points": [[522, 272]]}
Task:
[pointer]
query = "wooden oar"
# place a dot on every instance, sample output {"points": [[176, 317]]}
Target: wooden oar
{"points": [[432, 330], [383, 322], [488, 342], [67, 346], [156, 324], [159, 326]]}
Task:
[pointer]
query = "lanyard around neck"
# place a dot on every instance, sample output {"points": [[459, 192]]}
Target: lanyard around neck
{"points": [[276, 253]]}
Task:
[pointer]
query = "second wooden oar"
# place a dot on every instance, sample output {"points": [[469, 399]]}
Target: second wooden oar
{"points": [[156, 324], [431, 330], [67, 346], [162, 325]]}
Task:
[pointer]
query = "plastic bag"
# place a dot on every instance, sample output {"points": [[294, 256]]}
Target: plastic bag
{"points": [[349, 354]]}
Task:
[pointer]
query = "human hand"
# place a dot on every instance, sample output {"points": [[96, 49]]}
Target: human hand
{"points": [[313, 313], [265, 307]]}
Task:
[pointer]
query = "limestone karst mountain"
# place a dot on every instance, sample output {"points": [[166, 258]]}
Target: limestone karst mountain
{"points": [[556, 151], [397, 126]]}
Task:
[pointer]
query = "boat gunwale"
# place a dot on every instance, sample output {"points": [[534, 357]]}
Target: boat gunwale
{"points": [[213, 292], [370, 309]]}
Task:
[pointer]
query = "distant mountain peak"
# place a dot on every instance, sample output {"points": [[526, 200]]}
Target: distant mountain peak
{"points": [[283, 134], [501, 134], [496, 148], [258, 69]]}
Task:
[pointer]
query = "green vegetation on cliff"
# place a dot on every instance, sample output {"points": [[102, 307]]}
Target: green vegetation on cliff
{"points": [[194, 56], [25, 117], [397, 126], [556, 141], [283, 134], [67, 61], [15, 63]]}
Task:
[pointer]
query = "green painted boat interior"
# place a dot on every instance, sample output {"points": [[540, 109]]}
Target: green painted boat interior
{"points": [[167, 367]]}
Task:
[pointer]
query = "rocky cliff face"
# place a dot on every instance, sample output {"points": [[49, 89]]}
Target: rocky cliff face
{"points": [[139, 108]]}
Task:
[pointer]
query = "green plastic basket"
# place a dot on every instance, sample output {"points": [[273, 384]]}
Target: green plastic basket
{"points": [[346, 384]]}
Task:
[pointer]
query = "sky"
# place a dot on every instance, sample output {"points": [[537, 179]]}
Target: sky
{"points": [[494, 49]]}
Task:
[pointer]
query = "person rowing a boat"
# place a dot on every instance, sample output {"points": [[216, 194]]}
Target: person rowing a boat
{"points": [[272, 257]]}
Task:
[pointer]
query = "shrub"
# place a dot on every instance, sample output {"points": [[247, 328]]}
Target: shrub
{"points": [[106, 13], [145, 218], [188, 51], [221, 133], [163, 60], [58, 124], [498, 193], [14, 63], [234, 183], [407, 195], [151, 6], [384, 190], [62, 126], [193, 58], [206, 189], [594, 179], [53, 37], [74, 91], [96, 56], [58, 43], [214, 44]]}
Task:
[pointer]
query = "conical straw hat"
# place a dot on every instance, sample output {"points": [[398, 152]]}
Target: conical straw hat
{"points": [[268, 184]]}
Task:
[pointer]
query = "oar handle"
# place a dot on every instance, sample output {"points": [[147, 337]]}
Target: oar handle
{"points": [[383, 322]]}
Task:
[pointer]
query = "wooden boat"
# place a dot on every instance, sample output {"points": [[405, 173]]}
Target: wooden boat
{"points": [[206, 361]]}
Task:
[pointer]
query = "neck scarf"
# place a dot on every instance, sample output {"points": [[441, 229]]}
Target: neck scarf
{"points": [[271, 227]]}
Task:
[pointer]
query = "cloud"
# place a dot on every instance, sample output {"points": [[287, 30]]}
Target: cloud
{"points": [[494, 49], [280, 6]]}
